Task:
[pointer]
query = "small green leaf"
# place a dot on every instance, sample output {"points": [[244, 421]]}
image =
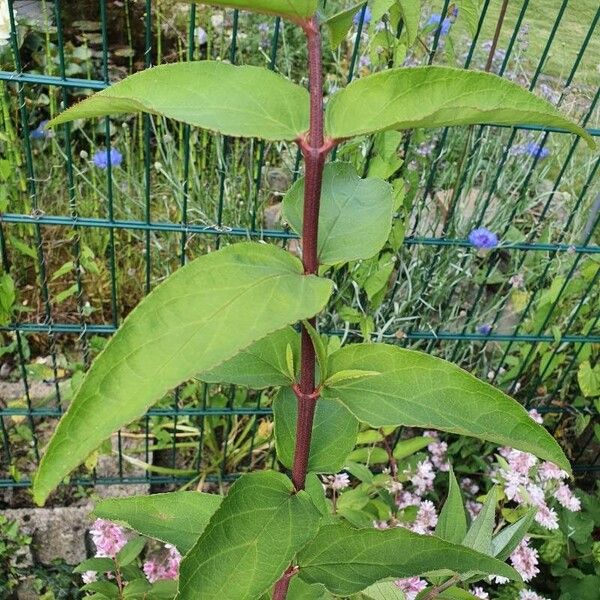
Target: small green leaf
{"points": [[479, 536], [299, 590], [184, 326], [165, 589], [106, 588], [264, 364], [130, 551], [319, 346], [452, 523], [406, 98], [98, 565], [333, 436], [406, 448], [296, 10], [138, 588], [348, 204], [177, 518], [350, 374], [237, 101], [250, 540], [339, 24], [348, 560], [504, 543], [589, 379], [411, 16], [468, 11], [418, 390]]}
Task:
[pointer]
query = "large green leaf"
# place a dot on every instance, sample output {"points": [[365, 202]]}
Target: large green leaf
{"points": [[348, 560], [238, 101], [355, 216], [419, 390], [201, 316], [452, 524], [250, 540], [263, 364], [333, 435], [405, 98], [296, 10], [177, 518]]}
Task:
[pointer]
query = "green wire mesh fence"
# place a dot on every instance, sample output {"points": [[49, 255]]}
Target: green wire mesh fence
{"points": [[85, 234]]}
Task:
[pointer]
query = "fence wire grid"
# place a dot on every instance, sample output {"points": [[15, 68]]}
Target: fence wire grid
{"points": [[84, 244]]}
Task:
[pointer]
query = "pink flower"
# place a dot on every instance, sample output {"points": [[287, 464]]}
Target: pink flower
{"points": [[479, 592], [411, 586], [107, 537], [547, 517], [469, 486], [525, 560], [381, 525], [406, 498], [565, 496], [168, 568], [427, 518], [88, 577], [337, 482], [529, 595], [535, 415], [549, 471], [422, 478], [473, 508]]}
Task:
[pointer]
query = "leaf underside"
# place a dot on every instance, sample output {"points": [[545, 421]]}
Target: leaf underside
{"points": [[237, 101], [199, 317], [296, 10], [348, 560], [250, 540], [177, 518], [418, 390], [405, 98]]}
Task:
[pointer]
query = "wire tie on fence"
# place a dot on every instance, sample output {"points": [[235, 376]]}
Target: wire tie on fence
{"points": [[37, 213], [83, 332]]}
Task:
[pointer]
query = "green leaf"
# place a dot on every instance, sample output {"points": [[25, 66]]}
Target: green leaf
{"points": [[589, 379], [504, 543], [138, 588], [333, 436], [106, 588], [299, 590], [98, 565], [340, 23], [184, 326], [452, 523], [348, 560], [468, 11], [130, 551], [319, 347], [351, 374], [411, 15], [263, 364], [237, 101], [406, 98], [296, 10], [177, 518], [419, 390], [406, 448], [165, 589], [479, 536], [384, 590], [250, 540], [453, 593], [348, 204]]}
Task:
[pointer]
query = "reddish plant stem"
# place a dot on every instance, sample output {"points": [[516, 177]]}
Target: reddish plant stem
{"points": [[314, 149]]}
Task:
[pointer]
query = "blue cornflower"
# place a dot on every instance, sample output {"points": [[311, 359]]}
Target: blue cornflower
{"points": [[531, 149], [435, 19], [484, 329], [40, 132], [100, 159], [483, 238], [367, 18]]}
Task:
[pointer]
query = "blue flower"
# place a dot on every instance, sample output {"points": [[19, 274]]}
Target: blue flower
{"points": [[367, 18], [100, 159], [40, 132], [484, 329], [483, 238], [435, 19], [531, 149]]}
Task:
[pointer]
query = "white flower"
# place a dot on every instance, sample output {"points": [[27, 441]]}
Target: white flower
{"points": [[201, 37], [4, 22], [529, 595], [479, 592]]}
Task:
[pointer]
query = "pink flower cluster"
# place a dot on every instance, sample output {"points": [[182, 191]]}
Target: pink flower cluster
{"points": [[156, 568], [336, 482], [108, 538], [528, 482], [411, 586], [530, 595], [525, 560]]}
